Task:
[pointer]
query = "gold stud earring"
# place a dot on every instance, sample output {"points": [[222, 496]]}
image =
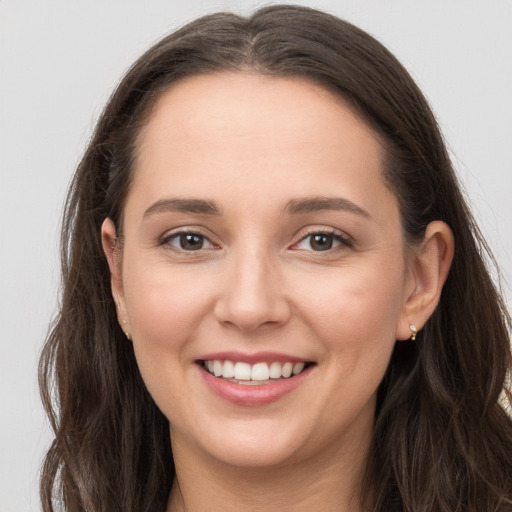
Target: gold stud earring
{"points": [[414, 331], [126, 333]]}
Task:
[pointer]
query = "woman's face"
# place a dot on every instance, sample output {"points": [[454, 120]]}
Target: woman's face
{"points": [[259, 238]]}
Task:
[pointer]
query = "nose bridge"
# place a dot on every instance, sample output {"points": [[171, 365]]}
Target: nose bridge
{"points": [[253, 293], [253, 268]]}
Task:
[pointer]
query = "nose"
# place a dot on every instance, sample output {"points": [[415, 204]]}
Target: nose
{"points": [[252, 295]]}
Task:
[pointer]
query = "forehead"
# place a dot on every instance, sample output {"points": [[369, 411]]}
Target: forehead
{"points": [[248, 104], [245, 131]]}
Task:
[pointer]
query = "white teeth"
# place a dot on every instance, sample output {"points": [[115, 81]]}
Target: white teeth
{"points": [[228, 370], [217, 368], [287, 370], [297, 368], [242, 371], [260, 372], [275, 370], [257, 372]]}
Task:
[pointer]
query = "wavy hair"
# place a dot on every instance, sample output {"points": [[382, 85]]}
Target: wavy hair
{"points": [[442, 439]]}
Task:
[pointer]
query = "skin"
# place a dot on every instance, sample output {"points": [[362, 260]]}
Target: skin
{"points": [[253, 145]]}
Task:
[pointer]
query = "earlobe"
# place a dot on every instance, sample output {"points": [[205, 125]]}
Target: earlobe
{"points": [[110, 248], [429, 266]]}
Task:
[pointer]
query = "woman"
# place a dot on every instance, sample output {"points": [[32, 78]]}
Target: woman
{"points": [[274, 294]]}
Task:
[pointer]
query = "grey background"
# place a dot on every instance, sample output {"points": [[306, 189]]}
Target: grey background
{"points": [[59, 61]]}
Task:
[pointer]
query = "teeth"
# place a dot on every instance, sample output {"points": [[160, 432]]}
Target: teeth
{"points": [[297, 368], [217, 368], [260, 372], [275, 370], [242, 371], [228, 371], [257, 372], [287, 370]]}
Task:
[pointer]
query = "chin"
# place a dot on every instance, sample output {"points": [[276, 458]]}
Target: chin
{"points": [[255, 456], [253, 444]]}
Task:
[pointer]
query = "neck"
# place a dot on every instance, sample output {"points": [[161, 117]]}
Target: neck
{"points": [[326, 482]]}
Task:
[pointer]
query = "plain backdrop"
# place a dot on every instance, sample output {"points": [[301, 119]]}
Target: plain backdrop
{"points": [[59, 62]]}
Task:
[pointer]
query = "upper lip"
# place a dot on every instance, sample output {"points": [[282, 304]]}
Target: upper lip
{"points": [[256, 357]]}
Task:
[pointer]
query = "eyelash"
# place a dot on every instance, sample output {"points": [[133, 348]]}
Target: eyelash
{"points": [[166, 240], [343, 240]]}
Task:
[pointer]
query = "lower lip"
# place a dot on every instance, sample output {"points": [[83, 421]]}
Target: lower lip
{"points": [[253, 395]]}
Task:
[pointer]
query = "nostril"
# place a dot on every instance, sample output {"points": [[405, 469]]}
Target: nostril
{"points": [[252, 295], [249, 315]]}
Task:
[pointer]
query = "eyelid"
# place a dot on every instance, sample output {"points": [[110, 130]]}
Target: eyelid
{"points": [[344, 239], [175, 233]]}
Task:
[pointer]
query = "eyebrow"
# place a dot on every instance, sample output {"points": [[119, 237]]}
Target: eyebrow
{"points": [[292, 207], [315, 204], [183, 206]]}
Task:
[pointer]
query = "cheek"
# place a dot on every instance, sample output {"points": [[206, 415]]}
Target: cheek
{"points": [[354, 316], [360, 301], [164, 300], [164, 308]]}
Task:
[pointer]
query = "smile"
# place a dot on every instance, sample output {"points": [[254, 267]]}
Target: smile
{"points": [[252, 374], [253, 379]]}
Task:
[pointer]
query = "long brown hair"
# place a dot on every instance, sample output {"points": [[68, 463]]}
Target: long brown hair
{"points": [[441, 441]]}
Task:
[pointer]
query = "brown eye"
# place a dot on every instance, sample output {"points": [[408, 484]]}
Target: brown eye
{"points": [[191, 241], [321, 242], [188, 241]]}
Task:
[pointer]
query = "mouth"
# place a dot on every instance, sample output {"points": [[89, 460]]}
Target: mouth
{"points": [[253, 379], [257, 374]]}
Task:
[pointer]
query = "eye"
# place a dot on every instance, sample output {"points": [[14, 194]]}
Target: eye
{"points": [[186, 241], [319, 242]]}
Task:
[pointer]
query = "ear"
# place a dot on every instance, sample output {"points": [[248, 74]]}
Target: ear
{"points": [[428, 265], [112, 252]]}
